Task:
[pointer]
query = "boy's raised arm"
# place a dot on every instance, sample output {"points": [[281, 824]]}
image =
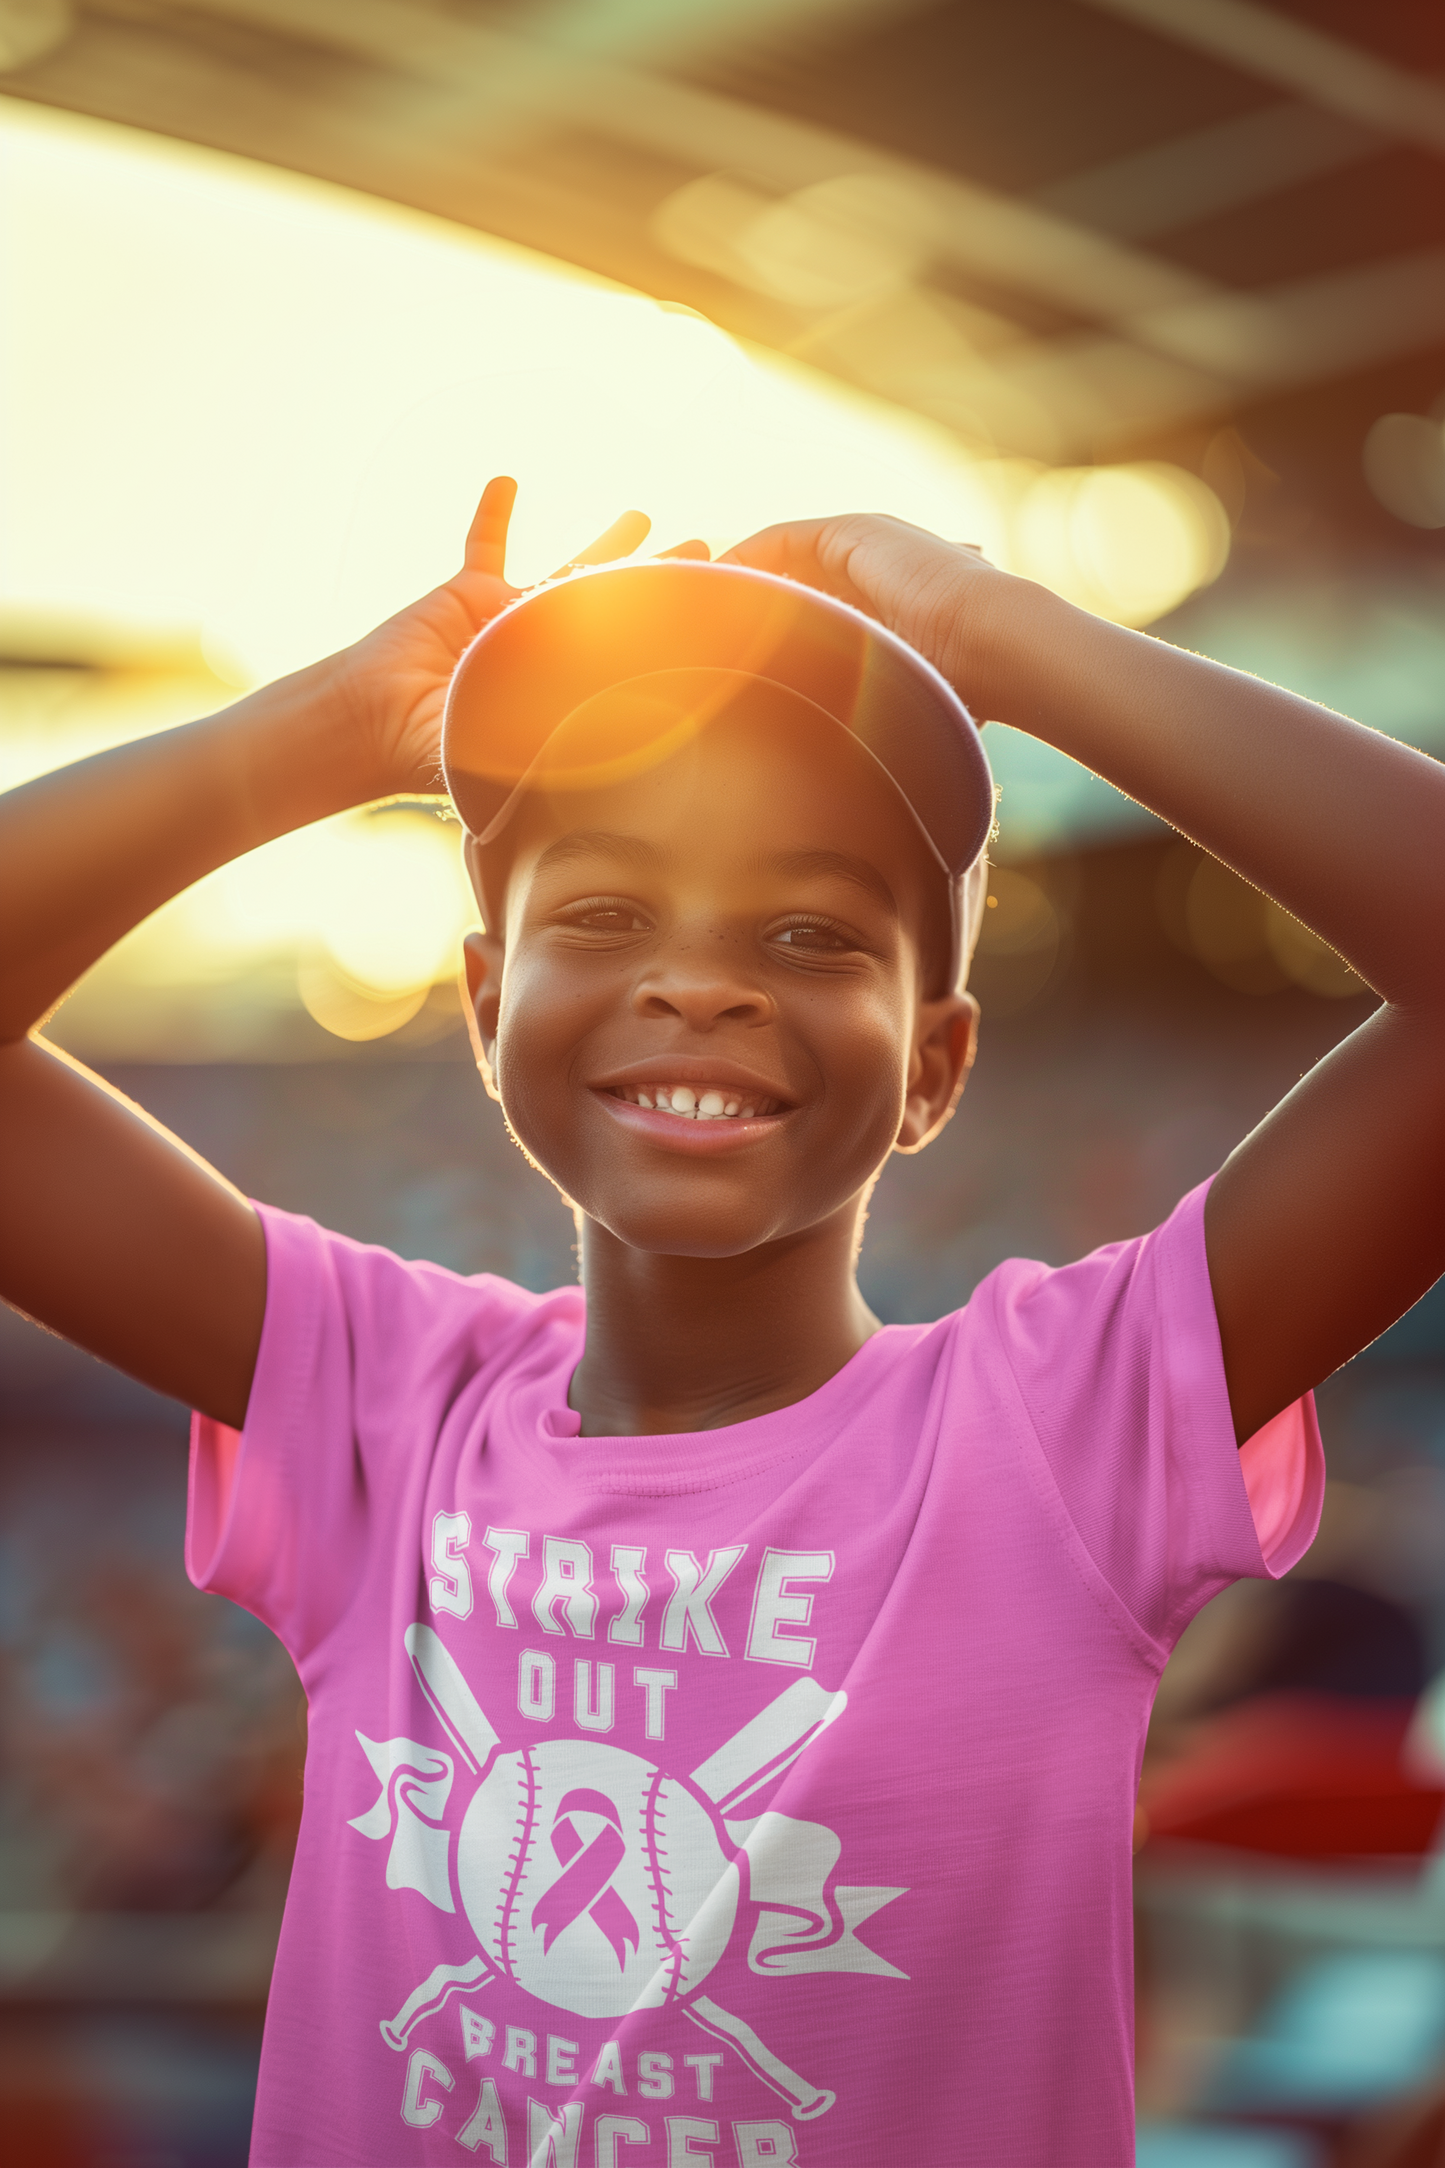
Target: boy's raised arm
{"points": [[1328, 1220], [112, 1232]]}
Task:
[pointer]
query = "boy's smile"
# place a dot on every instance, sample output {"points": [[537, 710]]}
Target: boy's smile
{"points": [[712, 1026], [708, 1105]]}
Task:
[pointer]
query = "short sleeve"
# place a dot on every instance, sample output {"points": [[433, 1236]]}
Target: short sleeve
{"points": [[361, 1355], [1119, 1364]]}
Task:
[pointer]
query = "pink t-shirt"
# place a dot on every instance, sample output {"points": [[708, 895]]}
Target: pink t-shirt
{"points": [[760, 1795]]}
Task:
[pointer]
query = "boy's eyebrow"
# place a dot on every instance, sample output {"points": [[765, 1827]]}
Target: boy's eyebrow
{"points": [[859, 871], [637, 851], [592, 842]]}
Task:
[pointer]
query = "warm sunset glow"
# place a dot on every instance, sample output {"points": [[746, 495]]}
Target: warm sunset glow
{"points": [[251, 414]]}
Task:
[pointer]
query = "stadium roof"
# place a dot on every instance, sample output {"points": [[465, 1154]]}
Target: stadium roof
{"points": [[1066, 228]]}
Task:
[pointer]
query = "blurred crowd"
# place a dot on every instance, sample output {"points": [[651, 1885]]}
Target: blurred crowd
{"points": [[151, 1745], [152, 1739]]}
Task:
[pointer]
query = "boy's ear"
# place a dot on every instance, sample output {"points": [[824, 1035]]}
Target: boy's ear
{"points": [[482, 953], [945, 1042]]}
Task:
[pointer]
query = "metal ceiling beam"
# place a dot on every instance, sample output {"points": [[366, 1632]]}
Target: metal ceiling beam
{"points": [[506, 88], [1342, 78], [1210, 170], [1206, 343]]}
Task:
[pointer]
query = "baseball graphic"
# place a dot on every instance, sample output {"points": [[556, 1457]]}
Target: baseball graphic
{"points": [[594, 1881], [603, 1885]]}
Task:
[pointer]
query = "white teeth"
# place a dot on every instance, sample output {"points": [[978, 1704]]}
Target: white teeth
{"points": [[711, 1105]]}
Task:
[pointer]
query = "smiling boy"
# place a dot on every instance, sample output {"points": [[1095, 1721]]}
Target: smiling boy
{"points": [[710, 888], [725, 1713]]}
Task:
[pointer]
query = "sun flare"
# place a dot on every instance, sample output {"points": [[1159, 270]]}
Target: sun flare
{"points": [[248, 414]]}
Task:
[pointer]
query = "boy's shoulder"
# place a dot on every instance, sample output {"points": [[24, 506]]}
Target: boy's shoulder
{"points": [[1163, 1269], [400, 1304]]}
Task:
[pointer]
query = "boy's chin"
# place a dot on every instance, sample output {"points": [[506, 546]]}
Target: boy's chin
{"points": [[705, 1210], [686, 1233], [684, 1220]]}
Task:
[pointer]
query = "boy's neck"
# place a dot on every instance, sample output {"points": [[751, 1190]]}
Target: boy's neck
{"points": [[691, 1343]]}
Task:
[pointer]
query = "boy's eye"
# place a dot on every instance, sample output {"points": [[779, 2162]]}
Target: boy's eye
{"points": [[815, 937], [607, 914]]}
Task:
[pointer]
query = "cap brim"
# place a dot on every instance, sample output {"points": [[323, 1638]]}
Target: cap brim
{"points": [[562, 645]]}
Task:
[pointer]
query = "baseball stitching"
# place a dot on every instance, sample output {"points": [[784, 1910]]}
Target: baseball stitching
{"points": [[524, 1837], [654, 1837]]}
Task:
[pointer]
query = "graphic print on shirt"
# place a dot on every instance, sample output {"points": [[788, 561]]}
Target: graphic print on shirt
{"points": [[604, 1885]]}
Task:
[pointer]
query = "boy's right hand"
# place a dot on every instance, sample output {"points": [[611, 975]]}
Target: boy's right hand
{"points": [[112, 1233], [394, 681]]}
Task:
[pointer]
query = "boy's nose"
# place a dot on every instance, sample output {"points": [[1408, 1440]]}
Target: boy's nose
{"points": [[702, 989]]}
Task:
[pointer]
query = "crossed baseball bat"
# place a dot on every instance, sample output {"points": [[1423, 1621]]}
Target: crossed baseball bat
{"points": [[760, 1751]]}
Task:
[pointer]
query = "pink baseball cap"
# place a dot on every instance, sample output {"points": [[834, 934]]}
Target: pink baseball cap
{"points": [[594, 676]]}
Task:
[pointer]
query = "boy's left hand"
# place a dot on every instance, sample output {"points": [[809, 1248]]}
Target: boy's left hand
{"points": [[1326, 1223], [936, 595]]}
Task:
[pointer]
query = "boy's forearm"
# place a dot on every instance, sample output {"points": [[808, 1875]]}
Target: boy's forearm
{"points": [[90, 850], [1343, 826]]}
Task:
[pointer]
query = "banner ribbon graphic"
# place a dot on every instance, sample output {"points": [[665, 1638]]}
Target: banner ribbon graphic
{"points": [[585, 1883]]}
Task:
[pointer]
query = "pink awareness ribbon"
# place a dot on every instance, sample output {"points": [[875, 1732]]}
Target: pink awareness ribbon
{"points": [[585, 1883]]}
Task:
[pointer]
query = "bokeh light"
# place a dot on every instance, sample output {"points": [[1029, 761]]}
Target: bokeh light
{"points": [[349, 1011], [392, 902], [1404, 461], [1307, 960], [1018, 942], [382, 895], [1128, 542], [1245, 939], [827, 246]]}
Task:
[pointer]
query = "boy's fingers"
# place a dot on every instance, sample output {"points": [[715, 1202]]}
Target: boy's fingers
{"points": [[688, 549], [620, 540], [486, 549], [793, 550], [790, 548]]}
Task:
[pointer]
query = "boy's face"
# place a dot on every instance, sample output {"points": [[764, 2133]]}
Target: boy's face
{"points": [[744, 920]]}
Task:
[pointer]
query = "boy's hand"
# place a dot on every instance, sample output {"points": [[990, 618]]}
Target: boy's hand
{"points": [[934, 594], [395, 680]]}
